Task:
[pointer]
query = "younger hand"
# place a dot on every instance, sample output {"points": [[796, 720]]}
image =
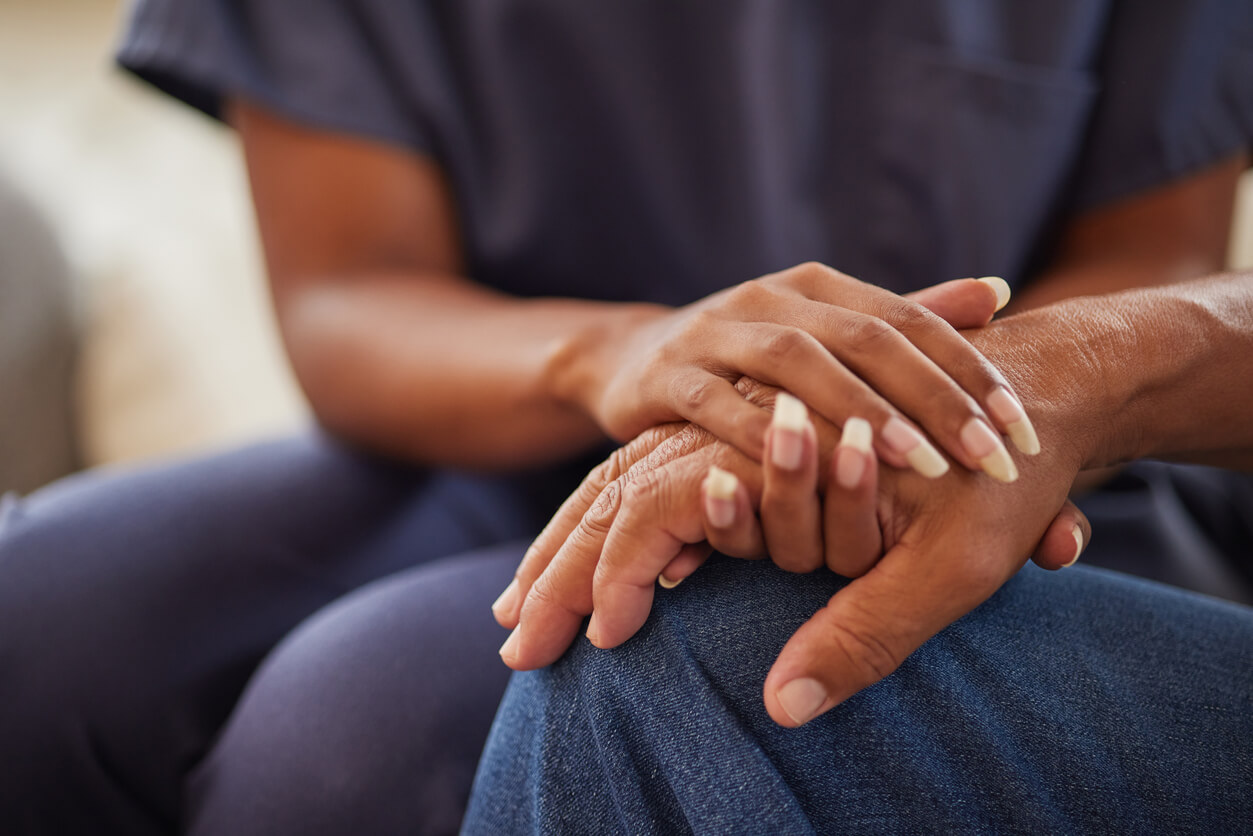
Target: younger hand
{"points": [[843, 346]]}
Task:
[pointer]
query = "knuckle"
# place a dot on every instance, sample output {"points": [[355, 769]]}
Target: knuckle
{"points": [[546, 595], [807, 277], [865, 650], [600, 516], [694, 396], [912, 318], [868, 334], [783, 345], [646, 489]]}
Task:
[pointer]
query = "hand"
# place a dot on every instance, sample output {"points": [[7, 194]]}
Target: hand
{"points": [[641, 506], [844, 347]]}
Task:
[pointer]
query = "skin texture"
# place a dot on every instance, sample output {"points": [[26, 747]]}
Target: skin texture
{"points": [[1107, 380], [382, 326]]}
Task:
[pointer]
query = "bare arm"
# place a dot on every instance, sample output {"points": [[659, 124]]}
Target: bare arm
{"points": [[1172, 233], [365, 266]]}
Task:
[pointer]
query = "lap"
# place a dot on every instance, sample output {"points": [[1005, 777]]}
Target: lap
{"points": [[371, 715], [135, 605], [1080, 700]]}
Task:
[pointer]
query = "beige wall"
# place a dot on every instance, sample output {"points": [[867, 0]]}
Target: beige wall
{"points": [[152, 204]]}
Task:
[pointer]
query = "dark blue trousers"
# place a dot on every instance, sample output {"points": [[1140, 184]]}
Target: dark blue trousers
{"points": [[135, 608]]}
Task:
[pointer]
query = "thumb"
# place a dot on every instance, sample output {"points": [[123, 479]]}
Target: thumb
{"points": [[1064, 540], [964, 303], [871, 626]]}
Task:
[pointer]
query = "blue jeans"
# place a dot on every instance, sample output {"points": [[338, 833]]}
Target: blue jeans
{"points": [[1080, 701]]}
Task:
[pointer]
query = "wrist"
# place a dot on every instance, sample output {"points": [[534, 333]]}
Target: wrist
{"points": [[580, 364], [1062, 362]]}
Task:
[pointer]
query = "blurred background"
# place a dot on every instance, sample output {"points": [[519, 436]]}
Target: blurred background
{"points": [[127, 242], [155, 270]]}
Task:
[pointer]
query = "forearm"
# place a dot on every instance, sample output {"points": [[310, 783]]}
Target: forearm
{"points": [[1160, 372], [443, 371], [1176, 232]]}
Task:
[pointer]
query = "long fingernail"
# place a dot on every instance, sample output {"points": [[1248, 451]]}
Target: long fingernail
{"points": [[985, 445], [908, 442], [800, 699], [593, 630], [850, 456], [1000, 287], [505, 603], [1077, 533], [719, 489], [509, 650], [666, 583], [1009, 412], [788, 437]]}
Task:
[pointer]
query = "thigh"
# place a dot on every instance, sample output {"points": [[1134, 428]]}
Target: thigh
{"points": [[371, 716], [135, 605], [1080, 701]]}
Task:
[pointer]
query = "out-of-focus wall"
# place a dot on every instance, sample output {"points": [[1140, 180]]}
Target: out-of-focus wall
{"points": [[151, 203]]}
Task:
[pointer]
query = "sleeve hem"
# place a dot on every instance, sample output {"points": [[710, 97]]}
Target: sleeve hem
{"points": [[206, 88]]}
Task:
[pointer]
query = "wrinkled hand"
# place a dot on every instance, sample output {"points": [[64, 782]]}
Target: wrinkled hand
{"points": [[843, 346], [949, 545]]}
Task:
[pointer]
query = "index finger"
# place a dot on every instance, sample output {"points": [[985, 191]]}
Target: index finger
{"points": [[508, 606], [659, 513]]}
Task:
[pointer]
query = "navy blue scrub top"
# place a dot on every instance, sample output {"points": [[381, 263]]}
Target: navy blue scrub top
{"points": [[663, 149], [660, 150]]}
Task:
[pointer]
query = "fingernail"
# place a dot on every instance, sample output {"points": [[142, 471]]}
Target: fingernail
{"points": [[719, 489], [509, 650], [593, 631], [1001, 288], [1077, 533], [850, 461], [985, 445], [1009, 412], [788, 437], [800, 699], [504, 604], [666, 583], [907, 441]]}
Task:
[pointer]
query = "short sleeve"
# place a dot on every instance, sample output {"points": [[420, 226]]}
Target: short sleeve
{"points": [[1176, 95], [316, 61]]}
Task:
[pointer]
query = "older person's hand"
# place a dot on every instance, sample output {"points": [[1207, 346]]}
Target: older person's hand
{"points": [[642, 515]]}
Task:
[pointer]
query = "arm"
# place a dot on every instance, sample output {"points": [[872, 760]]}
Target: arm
{"points": [[1172, 233], [398, 350]]}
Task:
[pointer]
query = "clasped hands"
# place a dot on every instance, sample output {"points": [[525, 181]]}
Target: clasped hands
{"points": [[925, 543]]}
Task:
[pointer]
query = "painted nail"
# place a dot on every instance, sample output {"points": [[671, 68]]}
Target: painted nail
{"points": [[800, 699], [1001, 288], [505, 603], [985, 445], [509, 650], [1009, 412], [666, 583], [788, 437], [1077, 533], [850, 455], [908, 442], [719, 489]]}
